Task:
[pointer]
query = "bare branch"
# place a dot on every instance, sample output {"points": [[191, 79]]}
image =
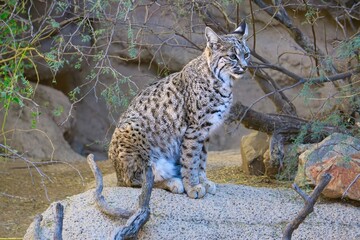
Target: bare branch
{"points": [[300, 38], [309, 205], [268, 85], [321, 79], [99, 198], [37, 227], [267, 123], [300, 192], [142, 215], [350, 185], [139, 217], [187, 39], [281, 15], [59, 217], [253, 25]]}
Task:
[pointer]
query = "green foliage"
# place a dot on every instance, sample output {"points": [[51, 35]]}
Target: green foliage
{"points": [[349, 49], [72, 94], [54, 61], [132, 49], [14, 87], [20, 41], [311, 15], [34, 117], [58, 111], [115, 97], [306, 92]]}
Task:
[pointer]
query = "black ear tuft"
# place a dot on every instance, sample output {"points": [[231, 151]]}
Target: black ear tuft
{"points": [[242, 29]]}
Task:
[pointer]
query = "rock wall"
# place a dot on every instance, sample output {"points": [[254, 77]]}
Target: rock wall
{"points": [[165, 38]]}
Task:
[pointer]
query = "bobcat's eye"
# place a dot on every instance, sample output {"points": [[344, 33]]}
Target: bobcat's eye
{"points": [[233, 56], [246, 55]]}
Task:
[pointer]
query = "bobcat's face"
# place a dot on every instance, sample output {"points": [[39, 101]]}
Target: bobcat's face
{"points": [[228, 55]]}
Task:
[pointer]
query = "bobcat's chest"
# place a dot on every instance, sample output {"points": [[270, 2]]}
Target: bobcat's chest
{"points": [[219, 109]]}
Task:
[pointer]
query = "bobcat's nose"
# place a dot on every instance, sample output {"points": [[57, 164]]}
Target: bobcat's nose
{"points": [[244, 68]]}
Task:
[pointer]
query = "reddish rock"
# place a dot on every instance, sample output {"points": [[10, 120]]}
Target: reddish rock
{"points": [[344, 170]]}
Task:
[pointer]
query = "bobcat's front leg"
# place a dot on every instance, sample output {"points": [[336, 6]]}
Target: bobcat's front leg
{"points": [[209, 185], [190, 160]]}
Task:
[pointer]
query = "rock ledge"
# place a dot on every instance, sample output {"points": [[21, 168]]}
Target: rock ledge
{"points": [[235, 212]]}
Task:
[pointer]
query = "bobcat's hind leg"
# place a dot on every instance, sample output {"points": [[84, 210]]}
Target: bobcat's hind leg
{"points": [[167, 175], [173, 185], [129, 152]]}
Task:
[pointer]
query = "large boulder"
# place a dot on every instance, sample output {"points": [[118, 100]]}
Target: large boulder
{"points": [[38, 130], [334, 145], [252, 148], [345, 172], [234, 212]]}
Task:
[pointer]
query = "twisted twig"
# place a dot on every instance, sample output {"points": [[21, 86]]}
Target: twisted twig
{"points": [[309, 205], [139, 217]]}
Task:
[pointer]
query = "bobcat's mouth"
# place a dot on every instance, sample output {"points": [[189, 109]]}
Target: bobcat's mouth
{"points": [[239, 72]]}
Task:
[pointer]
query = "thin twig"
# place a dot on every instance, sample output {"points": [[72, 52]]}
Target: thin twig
{"points": [[253, 25], [309, 205], [312, 22], [350, 185], [41, 173], [13, 196]]}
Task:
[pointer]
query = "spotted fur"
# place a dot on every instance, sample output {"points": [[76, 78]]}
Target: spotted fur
{"points": [[169, 122]]}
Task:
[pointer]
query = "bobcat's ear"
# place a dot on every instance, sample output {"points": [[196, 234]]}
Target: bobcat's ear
{"points": [[212, 38], [242, 30]]}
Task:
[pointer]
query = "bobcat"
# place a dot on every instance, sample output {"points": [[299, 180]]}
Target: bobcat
{"points": [[169, 122]]}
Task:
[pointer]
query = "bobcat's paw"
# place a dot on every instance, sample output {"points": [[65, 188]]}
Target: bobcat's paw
{"points": [[175, 185], [210, 186], [197, 191]]}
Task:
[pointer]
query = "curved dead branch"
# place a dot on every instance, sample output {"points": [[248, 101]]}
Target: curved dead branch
{"points": [[136, 219], [99, 198], [283, 128], [142, 215], [309, 205]]}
